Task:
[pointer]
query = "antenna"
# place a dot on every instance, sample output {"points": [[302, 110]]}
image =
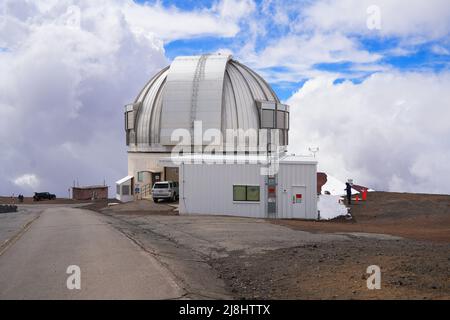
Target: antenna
{"points": [[313, 150]]}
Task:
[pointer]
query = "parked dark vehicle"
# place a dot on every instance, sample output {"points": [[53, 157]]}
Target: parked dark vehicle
{"points": [[43, 196]]}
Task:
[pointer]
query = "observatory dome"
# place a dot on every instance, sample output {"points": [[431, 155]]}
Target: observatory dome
{"points": [[214, 89]]}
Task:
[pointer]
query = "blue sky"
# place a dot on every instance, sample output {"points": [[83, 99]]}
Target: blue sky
{"points": [[403, 51]]}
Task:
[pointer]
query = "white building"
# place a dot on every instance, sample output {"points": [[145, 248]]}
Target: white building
{"points": [[222, 96], [234, 185]]}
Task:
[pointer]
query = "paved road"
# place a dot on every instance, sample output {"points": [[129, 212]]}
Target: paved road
{"points": [[112, 266]]}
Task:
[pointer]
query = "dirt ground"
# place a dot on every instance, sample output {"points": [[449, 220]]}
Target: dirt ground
{"points": [[293, 259], [138, 207], [413, 216], [411, 269], [288, 259]]}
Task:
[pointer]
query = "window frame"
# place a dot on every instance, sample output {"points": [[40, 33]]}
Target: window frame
{"points": [[287, 124], [126, 187], [129, 120], [259, 193], [246, 193], [273, 116], [281, 119]]}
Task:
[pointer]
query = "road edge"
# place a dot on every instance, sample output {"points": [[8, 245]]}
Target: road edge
{"points": [[9, 242]]}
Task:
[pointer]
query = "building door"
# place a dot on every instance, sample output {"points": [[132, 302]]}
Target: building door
{"points": [[171, 174], [156, 177], [298, 199]]}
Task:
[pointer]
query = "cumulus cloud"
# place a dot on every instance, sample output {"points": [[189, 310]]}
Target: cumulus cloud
{"points": [[62, 89], [27, 181], [168, 24], [336, 31], [401, 18], [68, 67], [389, 132], [301, 53]]}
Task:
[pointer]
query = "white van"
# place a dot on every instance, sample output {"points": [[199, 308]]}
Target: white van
{"points": [[167, 190]]}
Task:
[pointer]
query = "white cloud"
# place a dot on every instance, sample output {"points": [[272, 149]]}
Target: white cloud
{"points": [[330, 31], [68, 67], [235, 9], [224, 51], [403, 18], [63, 84], [27, 181], [300, 54], [62, 92], [172, 23], [389, 132], [440, 50]]}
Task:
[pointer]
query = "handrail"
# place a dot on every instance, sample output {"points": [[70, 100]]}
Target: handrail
{"points": [[146, 190]]}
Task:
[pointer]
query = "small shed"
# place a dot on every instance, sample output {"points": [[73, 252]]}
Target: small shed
{"points": [[238, 185], [90, 193], [124, 189]]}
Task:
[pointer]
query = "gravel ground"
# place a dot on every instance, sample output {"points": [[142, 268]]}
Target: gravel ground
{"points": [[409, 270], [413, 216], [289, 259]]}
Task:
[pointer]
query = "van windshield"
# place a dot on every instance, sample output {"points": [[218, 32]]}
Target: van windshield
{"points": [[161, 186]]}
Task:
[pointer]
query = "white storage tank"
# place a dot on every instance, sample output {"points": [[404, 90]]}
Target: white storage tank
{"points": [[235, 186]]}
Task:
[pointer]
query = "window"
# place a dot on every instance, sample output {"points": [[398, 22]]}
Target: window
{"points": [[281, 135], [125, 190], [161, 186], [287, 120], [281, 120], [129, 120], [239, 193], [140, 176], [246, 193], [252, 193], [267, 118], [118, 188]]}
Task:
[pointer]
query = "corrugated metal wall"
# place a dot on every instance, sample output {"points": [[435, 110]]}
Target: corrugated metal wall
{"points": [[292, 174], [208, 189], [195, 85], [214, 89]]}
